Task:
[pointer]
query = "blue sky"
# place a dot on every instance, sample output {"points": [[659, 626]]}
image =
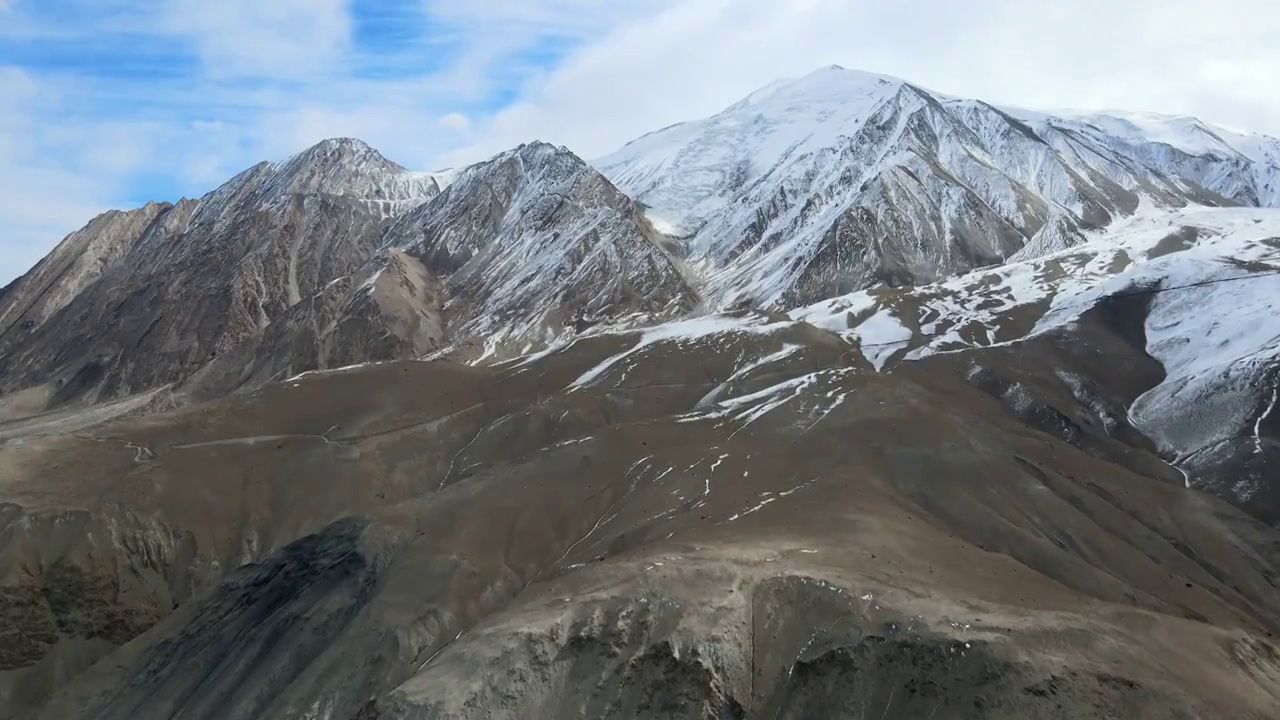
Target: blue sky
{"points": [[233, 77], [110, 103]]}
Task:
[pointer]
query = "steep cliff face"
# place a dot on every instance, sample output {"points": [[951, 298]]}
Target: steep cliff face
{"points": [[80, 260], [390, 309]]}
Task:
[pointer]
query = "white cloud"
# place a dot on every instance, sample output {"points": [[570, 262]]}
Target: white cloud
{"points": [[558, 18], [256, 38], [456, 122]]}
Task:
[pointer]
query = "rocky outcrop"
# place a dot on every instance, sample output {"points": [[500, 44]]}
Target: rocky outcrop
{"points": [[391, 309]]}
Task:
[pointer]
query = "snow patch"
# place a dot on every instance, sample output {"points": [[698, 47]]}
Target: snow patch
{"points": [[691, 330], [881, 336], [665, 224]]}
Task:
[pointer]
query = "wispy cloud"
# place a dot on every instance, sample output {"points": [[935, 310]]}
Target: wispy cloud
{"points": [[112, 102], [268, 39]]}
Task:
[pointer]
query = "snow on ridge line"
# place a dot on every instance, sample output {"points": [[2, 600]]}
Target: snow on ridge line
{"points": [[1237, 235], [336, 370], [801, 393], [697, 328], [712, 397], [883, 335], [682, 170], [791, 117]]}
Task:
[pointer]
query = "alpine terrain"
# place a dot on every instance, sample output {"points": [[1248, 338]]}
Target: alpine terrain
{"points": [[855, 400]]}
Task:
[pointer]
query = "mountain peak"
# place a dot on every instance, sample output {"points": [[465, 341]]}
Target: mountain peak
{"points": [[533, 156], [540, 148], [349, 166], [845, 77], [340, 150], [831, 85], [345, 142], [687, 169]]}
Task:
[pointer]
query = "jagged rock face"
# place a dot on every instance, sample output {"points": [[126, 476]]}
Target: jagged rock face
{"points": [[516, 252], [150, 297], [732, 516], [535, 242], [842, 180]]}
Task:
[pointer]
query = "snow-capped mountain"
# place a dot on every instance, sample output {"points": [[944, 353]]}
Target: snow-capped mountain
{"points": [[805, 190], [841, 180]]}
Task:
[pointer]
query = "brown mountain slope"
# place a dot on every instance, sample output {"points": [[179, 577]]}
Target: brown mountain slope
{"points": [[718, 518]]}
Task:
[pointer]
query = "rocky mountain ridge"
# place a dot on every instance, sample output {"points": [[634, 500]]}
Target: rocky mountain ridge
{"points": [[318, 262], [96, 319], [805, 190]]}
